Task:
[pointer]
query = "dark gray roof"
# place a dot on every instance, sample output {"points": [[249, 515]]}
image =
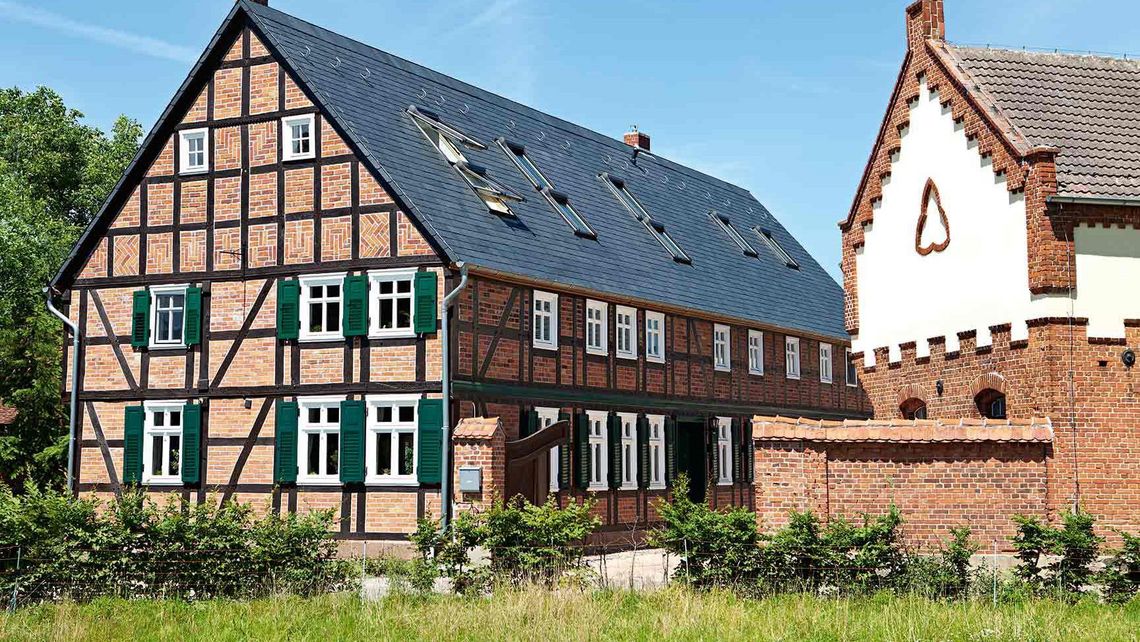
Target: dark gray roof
{"points": [[368, 92], [1087, 106]]}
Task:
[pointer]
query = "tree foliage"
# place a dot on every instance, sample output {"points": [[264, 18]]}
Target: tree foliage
{"points": [[55, 172]]}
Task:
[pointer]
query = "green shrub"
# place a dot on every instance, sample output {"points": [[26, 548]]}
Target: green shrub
{"points": [[948, 574], [1033, 542], [716, 547], [131, 547], [1057, 559], [525, 542], [1120, 579]]}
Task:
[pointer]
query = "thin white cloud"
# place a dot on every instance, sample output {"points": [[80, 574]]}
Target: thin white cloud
{"points": [[495, 13], [125, 40]]}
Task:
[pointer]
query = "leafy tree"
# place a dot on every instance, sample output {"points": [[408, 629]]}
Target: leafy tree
{"points": [[55, 173]]}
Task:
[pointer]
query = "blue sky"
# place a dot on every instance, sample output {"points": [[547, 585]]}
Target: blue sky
{"points": [[781, 97]]}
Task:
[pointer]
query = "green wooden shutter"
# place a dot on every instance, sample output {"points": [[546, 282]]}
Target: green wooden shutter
{"points": [[749, 455], [528, 423], [613, 425], [582, 450], [670, 450], [564, 455], [426, 312], [351, 442], [140, 319], [192, 317], [712, 444], [191, 443], [736, 459], [285, 450], [133, 419], [288, 309], [429, 468], [642, 451], [355, 323]]}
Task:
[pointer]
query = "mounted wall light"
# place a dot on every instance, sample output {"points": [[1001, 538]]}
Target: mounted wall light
{"points": [[1128, 357], [938, 387]]}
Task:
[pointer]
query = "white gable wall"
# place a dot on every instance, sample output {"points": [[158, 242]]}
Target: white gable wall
{"points": [[1108, 278]]}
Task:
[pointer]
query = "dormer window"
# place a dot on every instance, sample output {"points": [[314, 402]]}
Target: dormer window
{"points": [[450, 143], [776, 248], [657, 229], [726, 225], [559, 201]]}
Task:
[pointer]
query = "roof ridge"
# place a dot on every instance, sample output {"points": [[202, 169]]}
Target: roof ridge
{"points": [[1047, 51], [512, 104]]}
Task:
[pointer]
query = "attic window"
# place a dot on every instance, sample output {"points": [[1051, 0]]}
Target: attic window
{"points": [[560, 202], [617, 186], [726, 225], [777, 249], [450, 143]]}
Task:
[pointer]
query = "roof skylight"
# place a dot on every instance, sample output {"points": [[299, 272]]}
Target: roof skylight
{"points": [[449, 141], [559, 201], [776, 248], [617, 186], [728, 228]]}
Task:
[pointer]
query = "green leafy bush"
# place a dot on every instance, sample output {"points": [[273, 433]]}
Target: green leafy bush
{"points": [[948, 574], [1056, 559], [1120, 579], [132, 547], [525, 543]]}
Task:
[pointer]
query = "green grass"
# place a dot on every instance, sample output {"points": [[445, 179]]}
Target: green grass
{"points": [[673, 614]]}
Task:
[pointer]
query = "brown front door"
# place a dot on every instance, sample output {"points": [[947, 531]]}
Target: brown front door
{"points": [[528, 462]]}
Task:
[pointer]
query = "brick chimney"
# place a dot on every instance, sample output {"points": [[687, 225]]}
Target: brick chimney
{"points": [[634, 138], [925, 20]]}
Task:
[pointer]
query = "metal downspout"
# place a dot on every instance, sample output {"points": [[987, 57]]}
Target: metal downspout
{"points": [[445, 480], [74, 418]]}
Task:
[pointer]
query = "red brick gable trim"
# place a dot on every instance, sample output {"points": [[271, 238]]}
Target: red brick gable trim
{"points": [[1036, 430], [988, 381]]}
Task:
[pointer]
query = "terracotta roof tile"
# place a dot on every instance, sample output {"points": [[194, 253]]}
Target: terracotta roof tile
{"points": [[7, 414], [477, 428], [963, 430]]}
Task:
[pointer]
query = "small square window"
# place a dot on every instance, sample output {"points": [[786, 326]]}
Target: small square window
{"points": [[596, 327], [391, 440], [390, 302], [721, 347], [321, 298], [545, 320], [167, 316], [625, 319], [318, 454], [297, 141], [162, 442], [194, 157], [655, 337]]}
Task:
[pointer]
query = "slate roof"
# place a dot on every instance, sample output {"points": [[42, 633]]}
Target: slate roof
{"points": [[1087, 106], [367, 91]]}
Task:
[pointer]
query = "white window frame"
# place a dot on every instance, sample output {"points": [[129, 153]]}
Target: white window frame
{"points": [[598, 434], [321, 279], [656, 452], [792, 357], [155, 291], [184, 136], [628, 330], [375, 278], [600, 308], [657, 356], [825, 362], [755, 352], [375, 430], [287, 153], [546, 417], [166, 431], [724, 451], [852, 382], [722, 347], [628, 450], [304, 429], [551, 318]]}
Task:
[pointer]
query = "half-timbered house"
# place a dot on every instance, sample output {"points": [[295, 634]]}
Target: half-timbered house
{"points": [[259, 300]]}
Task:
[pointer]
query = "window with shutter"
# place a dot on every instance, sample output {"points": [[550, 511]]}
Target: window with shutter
{"points": [[564, 455], [613, 429], [191, 443], [426, 313], [192, 330], [582, 450], [670, 450], [140, 319], [355, 306], [133, 419], [351, 442], [288, 309], [285, 451], [736, 459], [430, 462], [643, 456]]}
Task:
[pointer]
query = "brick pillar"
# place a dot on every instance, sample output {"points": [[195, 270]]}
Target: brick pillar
{"points": [[480, 442]]}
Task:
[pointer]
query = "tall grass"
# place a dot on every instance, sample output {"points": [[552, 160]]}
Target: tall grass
{"points": [[672, 614]]}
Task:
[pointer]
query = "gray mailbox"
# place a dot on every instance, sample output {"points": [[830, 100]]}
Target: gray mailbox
{"points": [[470, 479]]}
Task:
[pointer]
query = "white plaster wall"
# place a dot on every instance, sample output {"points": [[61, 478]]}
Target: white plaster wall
{"points": [[979, 280], [1108, 278]]}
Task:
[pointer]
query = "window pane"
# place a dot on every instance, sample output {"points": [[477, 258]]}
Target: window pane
{"points": [[313, 458], [385, 314], [385, 287], [175, 418], [175, 453], [404, 313], [333, 291], [407, 413], [333, 414], [404, 287], [384, 414], [314, 415], [383, 454], [315, 321], [176, 326], [159, 419], [156, 455], [332, 453], [332, 316], [407, 453]]}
